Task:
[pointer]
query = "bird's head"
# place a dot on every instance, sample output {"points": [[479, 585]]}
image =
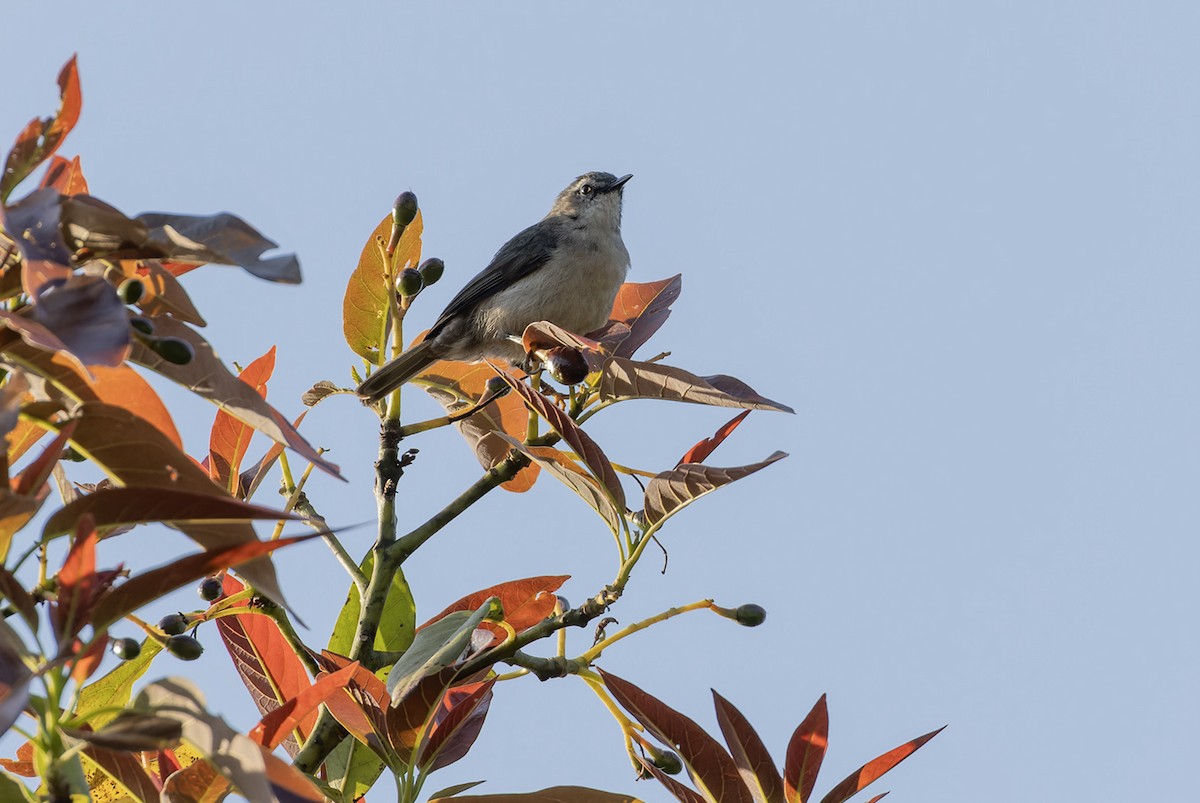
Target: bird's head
{"points": [[593, 198]]}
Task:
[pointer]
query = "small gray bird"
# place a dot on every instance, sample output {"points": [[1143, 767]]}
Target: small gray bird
{"points": [[565, 269]]}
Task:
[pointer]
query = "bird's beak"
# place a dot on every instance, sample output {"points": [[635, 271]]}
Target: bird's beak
{"points": [[619, 183]]}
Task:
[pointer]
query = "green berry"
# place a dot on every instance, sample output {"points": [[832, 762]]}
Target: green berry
{"points": [[410, 282], [667, 761], [173, 350], [404, 211], [185, 648], [173, 624], [432, 270], [750, 615], [131, 290], [126, 648], [210, 589], [142, 325]]}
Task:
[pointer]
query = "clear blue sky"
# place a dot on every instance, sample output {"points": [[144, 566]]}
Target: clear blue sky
{"points": [[960, 238]]}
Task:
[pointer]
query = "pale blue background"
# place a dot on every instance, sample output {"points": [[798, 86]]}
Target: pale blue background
{"points": [[958, 237]]}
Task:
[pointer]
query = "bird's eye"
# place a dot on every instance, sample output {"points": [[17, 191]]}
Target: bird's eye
{"points": [[586, 189]]}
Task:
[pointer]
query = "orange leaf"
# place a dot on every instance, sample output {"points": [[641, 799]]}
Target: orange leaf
{"points": [[456, 386], [638, 312], [294, 714], [41, 138], [124, 387], [368, 294], [230, 437], [65, 176], [272, 672]]}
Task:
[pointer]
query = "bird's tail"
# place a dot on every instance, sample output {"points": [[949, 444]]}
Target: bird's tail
{"points": [[397, 372]]}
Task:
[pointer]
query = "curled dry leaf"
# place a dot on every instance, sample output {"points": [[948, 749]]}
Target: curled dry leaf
{"points": [[320, 391], [628, 379], [671, 491]]}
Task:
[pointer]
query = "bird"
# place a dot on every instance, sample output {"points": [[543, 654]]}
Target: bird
{"points": [[565, 269]]}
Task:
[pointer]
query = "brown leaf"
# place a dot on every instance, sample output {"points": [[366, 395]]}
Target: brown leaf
{"points": [[368, 294], [207, 377], [222, 238], [749, 753], [673, 490], [113, 507], [456, 725], [869, 772], [710, 767], [707, 446], [587, 449], [230, 437], [13, 591], [644, 308], [567, 471], [132, 731], [41, 138], [805, 752], [458, 385], [149, 586], [164, 295], [88, 316], [681, 792], [627, 379], [134, 452], [553, 794]]}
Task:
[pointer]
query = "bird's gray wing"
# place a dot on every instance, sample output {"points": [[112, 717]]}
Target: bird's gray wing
{"points": [[516, 259]]}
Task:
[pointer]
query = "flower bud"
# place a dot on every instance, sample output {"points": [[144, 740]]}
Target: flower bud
{"points": [[173, 624], [126, 648], [495, 610], [431, 270], [566, 365], [131, 290], [210, 589], [404, 211], [185, 648], [410, 282]]}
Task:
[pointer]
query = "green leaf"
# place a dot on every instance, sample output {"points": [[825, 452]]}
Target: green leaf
{"points": [[436, 647], [353, 768], [396, 626], [114, 689]]}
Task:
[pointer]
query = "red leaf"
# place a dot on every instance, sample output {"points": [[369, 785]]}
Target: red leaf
{"points": [[526, 602], [23, 764], [749, 753], [709, 765], [88, 662], [272, 672], [30, 481], [456, 725], [76, 582], [707, 446], [587, 449], [681, 792], [870, 771], [279, 724], [151, 585], [230, 437], [167, 765], [805, 752]]}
